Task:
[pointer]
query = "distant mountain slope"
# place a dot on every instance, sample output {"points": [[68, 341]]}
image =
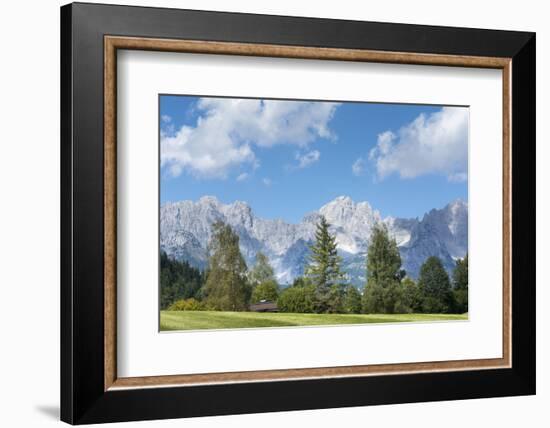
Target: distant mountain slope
{"points": [[185, 231]]}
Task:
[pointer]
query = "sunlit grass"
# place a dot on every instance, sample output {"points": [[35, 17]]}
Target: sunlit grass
{"points": [[200, 320]]}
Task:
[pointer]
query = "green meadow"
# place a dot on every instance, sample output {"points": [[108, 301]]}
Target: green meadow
{"points": [[201, 320]]}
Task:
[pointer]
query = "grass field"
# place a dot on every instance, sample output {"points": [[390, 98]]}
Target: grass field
{"points": [[199, 320]]}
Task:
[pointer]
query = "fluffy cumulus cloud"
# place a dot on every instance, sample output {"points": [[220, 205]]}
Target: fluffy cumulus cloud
{"points": [[228, 130], [307, 159], [431, 144], [358, 167]]}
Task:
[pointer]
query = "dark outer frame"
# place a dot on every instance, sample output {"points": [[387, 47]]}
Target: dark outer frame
{"points": [[114, 43], [83, 397]]}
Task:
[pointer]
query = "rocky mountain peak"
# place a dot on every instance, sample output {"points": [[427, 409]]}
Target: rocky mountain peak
{"points": [[186, 230], [209, 201]]}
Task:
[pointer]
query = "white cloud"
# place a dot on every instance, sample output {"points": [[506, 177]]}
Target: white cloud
{"points": [[458, 177], [242, 177], [358, 167], [227, 131], [307, 159], [385, 140], [430, 144], [267, 181], [167, 127]]}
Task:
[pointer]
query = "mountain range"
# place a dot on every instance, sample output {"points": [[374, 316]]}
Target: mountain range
{"points": [[185, 229]]}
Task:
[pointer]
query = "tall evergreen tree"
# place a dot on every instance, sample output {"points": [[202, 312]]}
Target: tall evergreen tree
{"points": [[383, 260], [460, 285], [382, 292], [226, 286], [324, 269], [435, 286]]}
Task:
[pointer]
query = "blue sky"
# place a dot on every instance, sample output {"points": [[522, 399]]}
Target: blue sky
{"points": [[287, 158]]}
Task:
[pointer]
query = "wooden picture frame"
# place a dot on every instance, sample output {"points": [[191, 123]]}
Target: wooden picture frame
{"points": [[91, 390]]}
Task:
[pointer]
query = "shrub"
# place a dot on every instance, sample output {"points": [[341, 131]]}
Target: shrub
{"points": [[187, 305], [297, 300]]}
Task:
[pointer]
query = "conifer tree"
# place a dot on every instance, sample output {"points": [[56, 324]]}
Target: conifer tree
{"points": [[384, 260], [435, 287], [411, 301], [324, 266], [178, 280], [352, 300], [460, 284], [382, 292], [226, 287]]}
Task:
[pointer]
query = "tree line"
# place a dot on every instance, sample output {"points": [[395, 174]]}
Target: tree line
{"points": [[228, 285]]}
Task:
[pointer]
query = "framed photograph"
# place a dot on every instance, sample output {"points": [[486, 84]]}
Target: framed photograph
{"points": [[266, 213]]}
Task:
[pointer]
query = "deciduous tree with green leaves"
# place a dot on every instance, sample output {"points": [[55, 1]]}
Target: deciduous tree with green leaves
{"points": [[262, 270], [299, 298], [226, 287], [267, 290], [262, 280]]}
